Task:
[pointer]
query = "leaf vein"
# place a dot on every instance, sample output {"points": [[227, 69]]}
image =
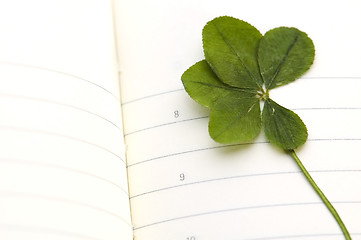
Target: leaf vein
{"points": [[238, 57], [247, 90], [286, 132], [240, 115], [283, 61]]}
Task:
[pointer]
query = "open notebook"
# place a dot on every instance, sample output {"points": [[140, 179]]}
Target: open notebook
{"points": [[98, 139]]}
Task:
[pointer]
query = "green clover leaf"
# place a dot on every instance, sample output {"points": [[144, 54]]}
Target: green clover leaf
{"points": [[230, 48], [240, 68]]}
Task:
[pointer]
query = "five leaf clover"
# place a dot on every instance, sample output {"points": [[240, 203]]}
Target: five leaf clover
{"points": [[239, 69]]}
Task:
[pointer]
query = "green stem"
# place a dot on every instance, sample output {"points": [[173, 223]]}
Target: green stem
{"points": [[322, 196]]}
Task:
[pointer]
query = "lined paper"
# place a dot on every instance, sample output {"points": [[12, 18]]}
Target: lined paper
{"points": [[185, 186], [62, 159]]}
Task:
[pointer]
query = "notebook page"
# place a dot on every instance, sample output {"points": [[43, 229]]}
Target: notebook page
{"points": [[183, 185], [62, 162]]}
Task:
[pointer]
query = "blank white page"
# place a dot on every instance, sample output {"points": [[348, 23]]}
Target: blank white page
{"points": [[184, 186], [62, 159]]}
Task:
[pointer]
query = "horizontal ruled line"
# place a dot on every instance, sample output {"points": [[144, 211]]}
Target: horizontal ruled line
{"points": [[241, 176], [36, 131], [63, 168], [191, 151], [165, 124], [302, 236], [177, 90], [59, 72], [240, 209], [350, 77], [203, 117], [227, 146], [49, 231], [151, 96], [61, 104], [333, 139], [326, 108], [22, 195]]}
